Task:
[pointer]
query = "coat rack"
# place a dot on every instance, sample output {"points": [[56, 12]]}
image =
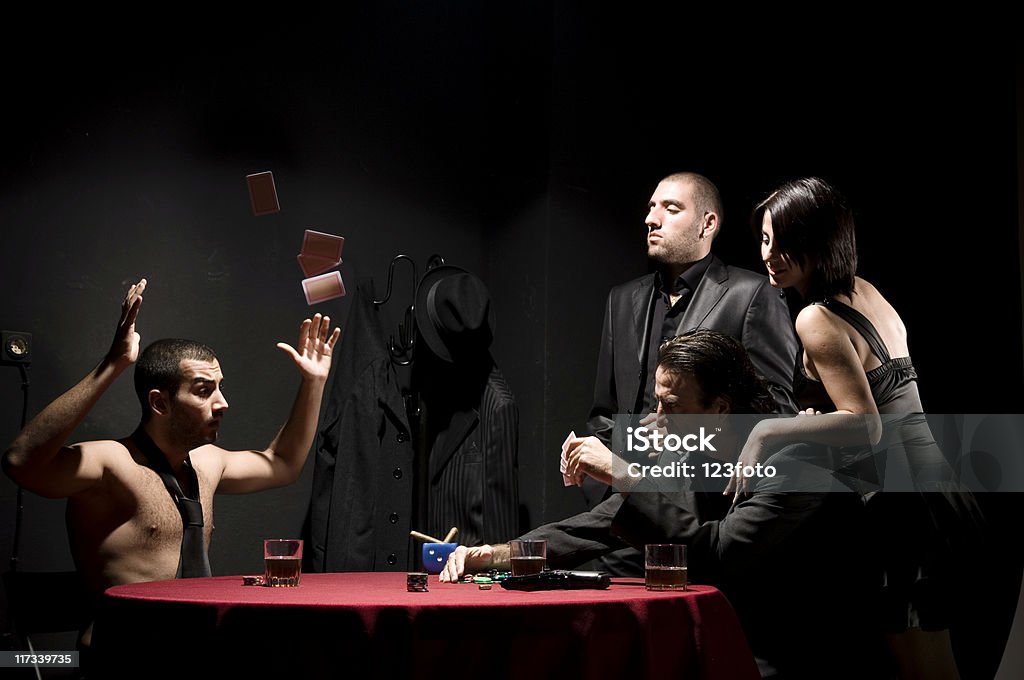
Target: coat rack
{"points": [[401, 353]]}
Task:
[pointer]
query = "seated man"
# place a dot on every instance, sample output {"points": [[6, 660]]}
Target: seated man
{"points": [[696, 375], [140, 508], [792, 557]]}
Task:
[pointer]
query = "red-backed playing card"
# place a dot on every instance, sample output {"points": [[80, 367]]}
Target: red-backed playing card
{"points": [[312, 265], [262, 193], [324, 287], [319, 244]]}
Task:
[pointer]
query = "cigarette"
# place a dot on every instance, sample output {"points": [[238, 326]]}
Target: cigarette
{"points": [[423, 537]]}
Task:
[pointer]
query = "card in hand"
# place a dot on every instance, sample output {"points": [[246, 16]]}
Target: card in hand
{"points": [[324, 287], [566, 479], [568, 440], [262, 193]]}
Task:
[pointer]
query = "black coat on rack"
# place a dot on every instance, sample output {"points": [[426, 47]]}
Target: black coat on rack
{"points": [[381, 470], [361, 503]]}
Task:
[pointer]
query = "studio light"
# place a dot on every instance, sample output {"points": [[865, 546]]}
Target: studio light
{"points": [[17, 347]]}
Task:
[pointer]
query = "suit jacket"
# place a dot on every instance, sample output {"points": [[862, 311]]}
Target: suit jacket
{"points": [[733, 301], [796, 565], [363, 473], [730, 300], [588, 535], [473, 478], [369, 487]]}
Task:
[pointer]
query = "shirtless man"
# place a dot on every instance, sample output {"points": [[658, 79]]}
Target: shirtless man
{"points": [[123, 525]]}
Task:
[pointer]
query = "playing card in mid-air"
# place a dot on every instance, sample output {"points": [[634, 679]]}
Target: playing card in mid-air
{"points": [[320, 252], [322, 288], [319, 244], [262, 193], [312, 265]]}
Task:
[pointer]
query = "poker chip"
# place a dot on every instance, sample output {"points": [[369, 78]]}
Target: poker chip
{"points": [[416, 582]]}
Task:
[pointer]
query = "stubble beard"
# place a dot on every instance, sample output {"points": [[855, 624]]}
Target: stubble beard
{"points": [[185, 435], [682, 250], [672, 254]]}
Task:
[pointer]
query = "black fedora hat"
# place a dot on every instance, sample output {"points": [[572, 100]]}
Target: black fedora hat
{"points": [[454, 313]]}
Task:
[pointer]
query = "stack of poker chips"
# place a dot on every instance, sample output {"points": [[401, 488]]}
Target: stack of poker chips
{"points": [[416, 582]]}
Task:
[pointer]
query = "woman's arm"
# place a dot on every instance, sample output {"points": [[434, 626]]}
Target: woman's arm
{"points": [[855, 422]]}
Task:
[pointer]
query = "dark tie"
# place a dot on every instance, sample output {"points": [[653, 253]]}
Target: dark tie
{"points": [[684, 296], [194, 560], [674, 313]]}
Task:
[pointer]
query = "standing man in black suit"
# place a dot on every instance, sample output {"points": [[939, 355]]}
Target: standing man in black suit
{"points": [[690, 289]]}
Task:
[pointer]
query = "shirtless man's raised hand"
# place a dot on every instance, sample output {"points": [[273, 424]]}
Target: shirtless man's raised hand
{"points": [[123, 525]]}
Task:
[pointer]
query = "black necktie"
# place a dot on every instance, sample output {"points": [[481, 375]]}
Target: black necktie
{"points": [[674, 312], [194, 560], [684, 294]]}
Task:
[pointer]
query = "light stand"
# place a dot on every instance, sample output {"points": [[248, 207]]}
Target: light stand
{"points": [[17, 351]]}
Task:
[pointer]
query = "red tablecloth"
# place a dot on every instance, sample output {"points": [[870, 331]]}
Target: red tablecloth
{"points": [[334, 625]]}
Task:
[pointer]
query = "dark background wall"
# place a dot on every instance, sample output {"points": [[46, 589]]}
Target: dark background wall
{"points": [[520, 144]]}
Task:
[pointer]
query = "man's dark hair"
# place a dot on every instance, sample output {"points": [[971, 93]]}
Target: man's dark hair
{"points": [[706, 197], [813, 226], [721, 367], [159, 367]]}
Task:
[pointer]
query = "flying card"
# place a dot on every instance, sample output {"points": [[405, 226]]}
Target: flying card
{"points": [[312, 265], [262, 193], [324, 287], [319, 244]]}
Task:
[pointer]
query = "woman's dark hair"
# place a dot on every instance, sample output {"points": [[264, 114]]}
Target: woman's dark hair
{"points": [[721, 368], [813, 226]]}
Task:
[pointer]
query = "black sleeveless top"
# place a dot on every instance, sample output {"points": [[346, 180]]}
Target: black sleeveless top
{"points": [[893, 384]]}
